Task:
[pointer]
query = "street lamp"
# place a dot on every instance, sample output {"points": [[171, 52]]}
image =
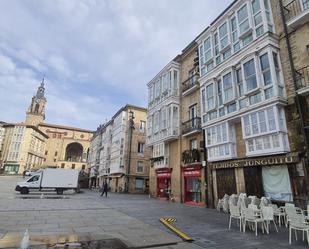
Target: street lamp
{"points": [[131, 127]]}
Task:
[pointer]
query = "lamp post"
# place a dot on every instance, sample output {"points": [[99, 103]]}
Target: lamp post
{"points": [[131, 127]]}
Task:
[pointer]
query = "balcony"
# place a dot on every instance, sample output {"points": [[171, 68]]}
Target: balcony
{"points": [[191, 156], [302, 80], [190, 85], [191, 126], [296, 13]]}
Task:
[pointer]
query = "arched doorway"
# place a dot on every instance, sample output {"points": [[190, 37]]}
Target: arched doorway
{"points": [[74, 152]]}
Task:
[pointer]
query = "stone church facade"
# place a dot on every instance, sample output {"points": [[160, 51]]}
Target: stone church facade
{"points": [[58, 146]]}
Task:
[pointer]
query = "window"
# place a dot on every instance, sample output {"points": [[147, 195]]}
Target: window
{"points": [[140, 148], [305, 4], [217, 52], [210, 97], [140, 167], [236, 45], [54, 135], [46, 152], [193, 144], [256, 98], [219, 93], [257, 16], [139, 184], [203, 100], [260, 122], [73, 166], [228, 87], [265, 69], [142, 126], [231, 108], [250, 76], [207, 50], [216, 134], [56, 153], [62, 165], [223, 34], [239, 82], [243, 20]]}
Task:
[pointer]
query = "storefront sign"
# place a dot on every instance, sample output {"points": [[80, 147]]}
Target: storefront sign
{"points": [[164, 173], [261, 161], [193, 173]]}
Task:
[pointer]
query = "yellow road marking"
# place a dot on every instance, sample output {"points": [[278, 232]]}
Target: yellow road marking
{"points": [[174, 229]]}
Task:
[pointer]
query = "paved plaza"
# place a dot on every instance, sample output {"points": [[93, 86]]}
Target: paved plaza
{"points": [[134, 219]]}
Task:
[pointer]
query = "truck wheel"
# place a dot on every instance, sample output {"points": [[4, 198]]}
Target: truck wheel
{"points": [[59, 191], [24, 191]]}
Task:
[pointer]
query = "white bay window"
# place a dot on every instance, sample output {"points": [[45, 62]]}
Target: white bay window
{"points": [[265, 131], [250, 75], [219, 142]]}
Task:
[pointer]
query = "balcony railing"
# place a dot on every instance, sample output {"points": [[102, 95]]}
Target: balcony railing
{"points": [[294, 8], [190, 82], [302, 77], [193, 124], [190, 156]]}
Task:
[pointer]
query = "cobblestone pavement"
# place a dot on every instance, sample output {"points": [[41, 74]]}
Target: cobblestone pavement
{"points": [[83, 214], [208, 227], [132, 218]]}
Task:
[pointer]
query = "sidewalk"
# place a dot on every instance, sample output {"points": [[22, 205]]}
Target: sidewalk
{"points": [[208, 227]]}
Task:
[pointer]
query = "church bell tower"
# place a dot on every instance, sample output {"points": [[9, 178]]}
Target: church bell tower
{"points": [[36, 111]]}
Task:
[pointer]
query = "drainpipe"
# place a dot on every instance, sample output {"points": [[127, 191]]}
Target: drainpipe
{"points": [[297, 100], [131, 127]]}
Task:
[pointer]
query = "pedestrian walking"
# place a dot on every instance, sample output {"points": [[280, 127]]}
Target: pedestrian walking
{"points": [[24, 173], [104, 189]]}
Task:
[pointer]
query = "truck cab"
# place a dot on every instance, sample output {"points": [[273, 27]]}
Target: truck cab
{"points": [[32, 183]]}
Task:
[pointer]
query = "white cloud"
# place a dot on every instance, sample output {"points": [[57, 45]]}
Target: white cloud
{"points": [[96, 55]]}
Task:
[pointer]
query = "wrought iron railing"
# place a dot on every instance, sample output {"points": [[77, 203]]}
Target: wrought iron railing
{"points": [[302, 77], [191, 125], [190, 156], [190, 82], [294, 8]]}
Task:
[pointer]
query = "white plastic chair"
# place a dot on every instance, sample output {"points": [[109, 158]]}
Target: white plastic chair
{"points": [[278, 212], [298, 223], [235, 214], [252, 218], [268, 216]]}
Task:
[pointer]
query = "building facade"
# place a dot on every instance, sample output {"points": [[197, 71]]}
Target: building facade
{"points": [[118, 154], [163, 132], [193, 171], [247, 88], [291, 19], [243, 104], [23, 148]]}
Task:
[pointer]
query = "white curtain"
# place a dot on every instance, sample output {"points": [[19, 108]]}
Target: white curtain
{"points": [[276, 183]]}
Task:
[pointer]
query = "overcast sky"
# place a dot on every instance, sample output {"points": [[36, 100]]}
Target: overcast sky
{"points": [[96, 55]]}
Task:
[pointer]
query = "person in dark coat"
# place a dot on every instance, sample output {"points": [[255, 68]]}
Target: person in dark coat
{"points": [[104, 189]]}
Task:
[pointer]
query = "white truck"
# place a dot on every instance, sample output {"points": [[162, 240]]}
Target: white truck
{"points": [[50, 179]]}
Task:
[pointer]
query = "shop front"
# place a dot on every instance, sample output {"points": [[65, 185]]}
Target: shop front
{"points": [[163, 182], [11, 168], [268, 176], [192, 185]]}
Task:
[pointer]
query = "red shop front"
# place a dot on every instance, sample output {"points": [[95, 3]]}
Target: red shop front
{"points": [[193, 184], [163, 182]]}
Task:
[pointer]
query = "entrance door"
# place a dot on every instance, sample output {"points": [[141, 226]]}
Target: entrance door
{"points": [[226, 182], [253, 181], [163, 187]]}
